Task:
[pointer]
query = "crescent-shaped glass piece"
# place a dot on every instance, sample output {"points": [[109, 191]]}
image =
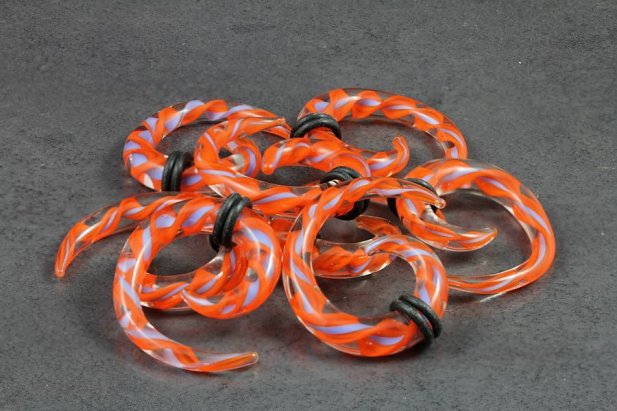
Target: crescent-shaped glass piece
{"points": [[382, 335], [365, 336], [487, 180], [247, 288]]}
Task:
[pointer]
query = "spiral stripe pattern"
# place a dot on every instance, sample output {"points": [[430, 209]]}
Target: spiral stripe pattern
{"points": [[110, 220], [146, 164], [332, 259], [365, 336], [239, 279], [350, 260], [365, 104], [322, 151], [448, 176], [255, 243], [266, 197]]}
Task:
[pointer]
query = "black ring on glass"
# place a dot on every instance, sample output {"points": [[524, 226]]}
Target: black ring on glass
{"points": [[226, 220], [177, 162], [426, 310], [313, 121], [412, 314]]}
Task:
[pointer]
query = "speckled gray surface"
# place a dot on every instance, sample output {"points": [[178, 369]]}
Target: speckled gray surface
{"points": [[532, 87]]}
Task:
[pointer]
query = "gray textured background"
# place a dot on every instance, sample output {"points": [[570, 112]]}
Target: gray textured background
{"points": [[531, 86]]}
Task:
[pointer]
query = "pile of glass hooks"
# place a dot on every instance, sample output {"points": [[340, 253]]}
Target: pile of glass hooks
{"points": [[262, 231]]}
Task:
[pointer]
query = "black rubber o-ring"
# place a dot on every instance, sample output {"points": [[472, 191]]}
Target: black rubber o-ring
{"points": [[226, 220], [219, 223], [411, 314], [313, 121], [232, 219], [177, 162], [426, 310]]}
